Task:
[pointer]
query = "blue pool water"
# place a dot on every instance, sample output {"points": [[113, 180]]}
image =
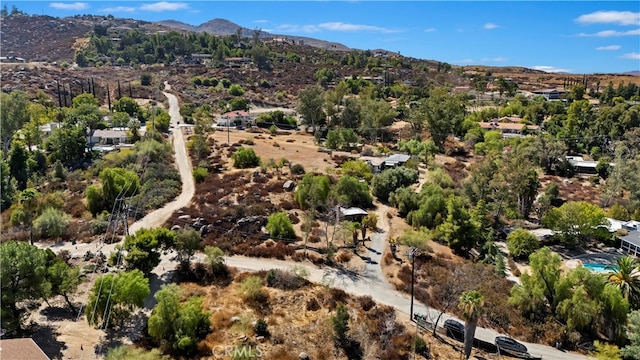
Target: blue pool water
{"points": [[599, 268]]}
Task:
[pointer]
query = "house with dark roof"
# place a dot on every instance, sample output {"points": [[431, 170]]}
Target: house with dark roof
{"points": [[550, 94], [631, 243], [21, 349]]}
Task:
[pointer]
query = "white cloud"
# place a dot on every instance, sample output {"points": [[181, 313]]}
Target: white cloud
{"points": [[609, 47], [430, 30], [119, 9], [550, 69], [340, 26], [610, 17], [632, 56], [69, 6], [164, 6], [334, 26], [490, 26], [261, 21], [495, 59], [612, 33]]}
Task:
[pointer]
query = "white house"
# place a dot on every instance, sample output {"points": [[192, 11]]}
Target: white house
{"points": [[114, 136], [47, 129], [235, 118]]}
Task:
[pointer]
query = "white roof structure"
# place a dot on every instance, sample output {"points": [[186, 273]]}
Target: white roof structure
{"points": [[352, 211], [396, 159]]}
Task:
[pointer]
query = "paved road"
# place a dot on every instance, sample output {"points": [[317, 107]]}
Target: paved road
{"points": [[370, 282]]}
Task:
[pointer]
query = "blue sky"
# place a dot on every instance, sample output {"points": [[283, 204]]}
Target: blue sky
{"points": [[572, 36]]}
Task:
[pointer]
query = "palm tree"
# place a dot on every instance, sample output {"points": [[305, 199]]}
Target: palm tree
{"points": [[625, 274], [470, 303]]}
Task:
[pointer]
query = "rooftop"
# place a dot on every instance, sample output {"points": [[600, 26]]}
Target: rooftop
{"points": [[352, 211], [633, 238], [506, 126], [397, 158], [21, 349]]}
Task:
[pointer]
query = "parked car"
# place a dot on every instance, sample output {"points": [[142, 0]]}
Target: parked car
{"points": [[454, 329], [510, 346]]}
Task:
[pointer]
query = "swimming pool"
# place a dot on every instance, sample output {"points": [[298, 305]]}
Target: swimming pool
{"points": [[599, 268]]}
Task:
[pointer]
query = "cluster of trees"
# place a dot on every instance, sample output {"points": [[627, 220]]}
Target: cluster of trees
{"points": [[31, 274], [29, 154], [587, 302]]}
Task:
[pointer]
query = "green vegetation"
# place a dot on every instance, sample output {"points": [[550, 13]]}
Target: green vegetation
{"points": [[109, 308], [180, 326], [279, 226], [245, 158]]}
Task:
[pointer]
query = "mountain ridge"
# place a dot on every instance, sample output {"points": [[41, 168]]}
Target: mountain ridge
{"points": [[224, 27]]}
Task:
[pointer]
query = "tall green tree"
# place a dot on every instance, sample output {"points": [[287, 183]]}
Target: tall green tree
{"points": [[13, 114], [18, 157], [522, 243], [127, 105], [312, 191], [64, 280], [579, 221], [471, 303], [340, 322], [310, 106], [23, 276], [187, 242], [625, 275], [632, 327], [536, 295], [68, 144], [375, 115], [113, 298], [143, 248], [443, 114], [459, 230]]}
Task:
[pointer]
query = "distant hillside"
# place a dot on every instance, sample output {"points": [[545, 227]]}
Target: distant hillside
{"points": [[632, 73], [223, 27]]}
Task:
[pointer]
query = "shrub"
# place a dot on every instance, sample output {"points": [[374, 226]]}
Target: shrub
{"points": [[245, 158], [284, 280], [99, 226], [279, 226], [297, 169], [260, 328], [250, 289], [200, 174], [51, 223], [389, 180], [145, 79], [522, 243], [235, 90]]}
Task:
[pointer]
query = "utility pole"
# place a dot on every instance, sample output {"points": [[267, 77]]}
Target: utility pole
{"points": [[412, 258]]}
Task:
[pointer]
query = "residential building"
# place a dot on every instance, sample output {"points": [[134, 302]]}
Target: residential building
{"points": [[396, 160], [47, 129], [550, 94], [21, 349], [235, 118], [582, 166], [508, 129], [113, 136], [631, 243]]}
